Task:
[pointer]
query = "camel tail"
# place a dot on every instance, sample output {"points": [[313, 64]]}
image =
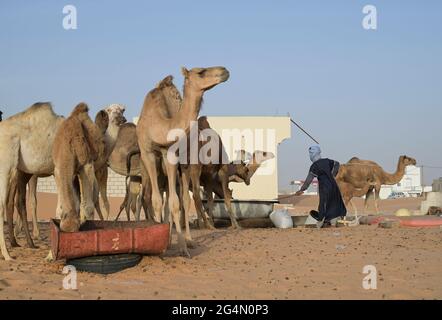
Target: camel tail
{"points": [[80, 108], [129, 158]]}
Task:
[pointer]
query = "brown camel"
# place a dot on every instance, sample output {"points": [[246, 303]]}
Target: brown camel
{"points": [[153, 131], [359, 173], [205, 172], [79, 145], [25, 152]]}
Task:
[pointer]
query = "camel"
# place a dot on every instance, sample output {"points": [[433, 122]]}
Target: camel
{"points": [[153, 131], [116, 120], [25, 152], [359, 173], [79, 145]]}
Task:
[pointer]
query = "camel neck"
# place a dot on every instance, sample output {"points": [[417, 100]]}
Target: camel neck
{"points": [[190, 107], [398, 175], [253, 167]]}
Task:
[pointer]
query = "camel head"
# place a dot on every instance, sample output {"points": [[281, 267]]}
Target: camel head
{"points": [[241, 173], [70, 222], [407, 161], [204, 78], [115, 112], [243, 155], [102, 120], [261, 156]]}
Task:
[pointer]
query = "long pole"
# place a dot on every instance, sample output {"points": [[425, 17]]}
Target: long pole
{"points": [[304, 131]]}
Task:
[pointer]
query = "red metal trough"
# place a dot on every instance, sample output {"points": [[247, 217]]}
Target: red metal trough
{"points": [[108, 237]]}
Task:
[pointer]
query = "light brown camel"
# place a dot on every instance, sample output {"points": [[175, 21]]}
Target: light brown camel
{"points": [[359, 173], [79, 145], [116, 120], [25, 152], [126, 149], [153, 131]]}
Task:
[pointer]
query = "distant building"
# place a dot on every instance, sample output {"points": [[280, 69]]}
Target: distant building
{"points": [[437, 185]]}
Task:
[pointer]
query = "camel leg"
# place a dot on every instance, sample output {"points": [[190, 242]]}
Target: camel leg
{"points": [[129, 200], [228, 198], [367, 197], [139, 204], [185, 180], [102, 187], [147, 194], [87, 178], [149, 161], [174, 204], [210, 201], [32, 184], [13, 187], [195, 174], [22, 181], [4, 193], [377, 193]]}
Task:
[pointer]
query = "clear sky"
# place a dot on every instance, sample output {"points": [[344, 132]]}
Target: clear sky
{"points": [[372, 94]]}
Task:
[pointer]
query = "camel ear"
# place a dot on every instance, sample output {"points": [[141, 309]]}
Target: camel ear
{"points": [[184, 72]]}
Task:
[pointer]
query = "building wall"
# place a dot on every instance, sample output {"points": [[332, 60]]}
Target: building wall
{"points": [[115, 185], [264, 184]]}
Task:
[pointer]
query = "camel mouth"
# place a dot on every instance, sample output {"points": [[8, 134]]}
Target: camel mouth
{"points": [[223, 77]]}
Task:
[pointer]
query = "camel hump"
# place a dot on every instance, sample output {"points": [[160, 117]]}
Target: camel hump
{"points": [[39, 105], [354, 159], [80, 108], [166, 82]]}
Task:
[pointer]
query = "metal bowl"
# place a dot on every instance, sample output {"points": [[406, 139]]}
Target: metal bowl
{"points": [[243, 209]]}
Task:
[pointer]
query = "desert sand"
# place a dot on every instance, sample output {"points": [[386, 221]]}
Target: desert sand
{"points": [[299, 263]]}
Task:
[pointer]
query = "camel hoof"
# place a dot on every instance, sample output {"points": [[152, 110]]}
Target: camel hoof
{"points": [[49, 257], [15, 245], [185, 253], [235, 227], [190, 243]]}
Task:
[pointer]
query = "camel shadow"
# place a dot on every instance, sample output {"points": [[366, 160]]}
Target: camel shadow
{"points": [[201, 243]]}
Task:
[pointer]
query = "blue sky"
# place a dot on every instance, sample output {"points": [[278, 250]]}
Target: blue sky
{"points": [[372, 94]]}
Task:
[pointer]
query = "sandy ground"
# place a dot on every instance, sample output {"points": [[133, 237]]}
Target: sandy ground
{"points": [[298, 263]]}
